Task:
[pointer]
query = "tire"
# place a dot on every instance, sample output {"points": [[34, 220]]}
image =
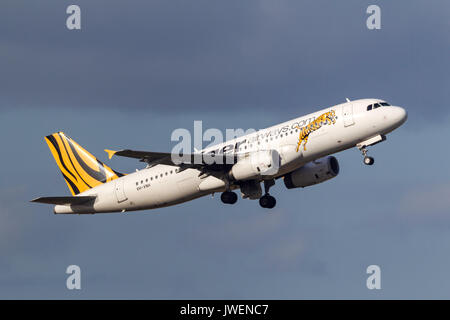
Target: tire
{"points": [[267, 202], [233, 198], [224, 197], [369, 161], [272, 202], [264, 201], [228, 197]]}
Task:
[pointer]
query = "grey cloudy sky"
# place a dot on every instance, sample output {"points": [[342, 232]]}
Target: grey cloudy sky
{"points": [[138, 70]]}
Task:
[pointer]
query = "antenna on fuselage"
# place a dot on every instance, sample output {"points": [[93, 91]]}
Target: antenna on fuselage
{"points": [[348, 100]]}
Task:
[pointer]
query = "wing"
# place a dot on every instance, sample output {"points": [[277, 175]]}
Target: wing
{"points": [[193, 160], [65, 200]]}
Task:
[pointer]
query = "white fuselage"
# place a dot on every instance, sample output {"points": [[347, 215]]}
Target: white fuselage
{"points": [[163, 185]]}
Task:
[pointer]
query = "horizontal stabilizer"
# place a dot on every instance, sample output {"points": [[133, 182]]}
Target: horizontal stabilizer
{"points": [[153, 156], [65, 200]]}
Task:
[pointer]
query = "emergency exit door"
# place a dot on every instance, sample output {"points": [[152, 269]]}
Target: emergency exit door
{"points": [[120, 192]]}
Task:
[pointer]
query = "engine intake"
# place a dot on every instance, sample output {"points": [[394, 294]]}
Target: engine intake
{"points": [[313, 172]]}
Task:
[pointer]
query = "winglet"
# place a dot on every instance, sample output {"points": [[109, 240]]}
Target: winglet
{"points": [[110, 153]]}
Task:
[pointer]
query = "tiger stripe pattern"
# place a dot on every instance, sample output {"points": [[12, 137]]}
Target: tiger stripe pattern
{"points": [[80, 169], [323, 119]]}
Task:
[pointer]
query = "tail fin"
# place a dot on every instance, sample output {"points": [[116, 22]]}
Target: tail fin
{"points": [[81, 170]]}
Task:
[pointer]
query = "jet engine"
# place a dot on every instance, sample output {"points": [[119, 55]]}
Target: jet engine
{"points": [[313, 172], [256, 164]]}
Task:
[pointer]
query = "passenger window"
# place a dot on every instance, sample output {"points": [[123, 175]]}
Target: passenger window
{"points": [[137, 183], [369, 108]]}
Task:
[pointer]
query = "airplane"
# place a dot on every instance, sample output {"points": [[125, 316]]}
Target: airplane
{"points": [[297, 151]]}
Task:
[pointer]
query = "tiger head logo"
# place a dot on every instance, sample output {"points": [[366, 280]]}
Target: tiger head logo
{"points": [[324, 119]]}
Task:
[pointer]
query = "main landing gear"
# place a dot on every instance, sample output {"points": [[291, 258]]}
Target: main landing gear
{"points": [[228, 197], [267, 201], [367, 160]]}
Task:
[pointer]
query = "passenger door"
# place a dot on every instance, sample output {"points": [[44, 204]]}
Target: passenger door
{"points": [[347, 114]]}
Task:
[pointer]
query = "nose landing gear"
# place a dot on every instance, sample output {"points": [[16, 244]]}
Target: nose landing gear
{"points": [[367, 160], [369, 142], [267, 201]]}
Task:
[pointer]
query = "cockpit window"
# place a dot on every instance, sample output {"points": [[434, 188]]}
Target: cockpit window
{"points": [[377, 105]]}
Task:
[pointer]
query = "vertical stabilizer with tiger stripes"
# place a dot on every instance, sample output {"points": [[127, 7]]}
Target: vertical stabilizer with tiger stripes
{"points": [[80, 169]]}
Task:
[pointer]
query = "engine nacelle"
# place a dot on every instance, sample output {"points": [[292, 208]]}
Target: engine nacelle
{"points": [[313, 172], [256, 164]]}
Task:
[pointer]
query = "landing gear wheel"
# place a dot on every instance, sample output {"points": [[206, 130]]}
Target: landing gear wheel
{"points": [[369, 160], [228, 197], [267, 201]]}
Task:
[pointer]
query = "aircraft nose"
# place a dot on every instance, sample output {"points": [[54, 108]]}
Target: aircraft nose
{"points": [[399, 115]]}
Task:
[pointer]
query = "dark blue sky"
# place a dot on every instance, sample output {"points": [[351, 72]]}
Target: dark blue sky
{"points": [[138, 70]]}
